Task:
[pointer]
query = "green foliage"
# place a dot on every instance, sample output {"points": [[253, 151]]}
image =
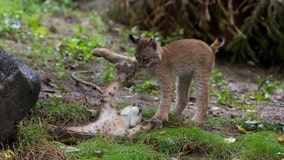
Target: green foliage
{"points": [[15, 15], [267, 84], [217, 80], [146, 87], [109, 73], [25, 22], [256, 125]]}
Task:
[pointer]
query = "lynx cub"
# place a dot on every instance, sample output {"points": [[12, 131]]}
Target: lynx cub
{"points": [[112, 122], [188, 59]]}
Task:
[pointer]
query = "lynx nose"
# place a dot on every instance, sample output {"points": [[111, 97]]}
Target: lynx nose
{"points": [[141, 65]]}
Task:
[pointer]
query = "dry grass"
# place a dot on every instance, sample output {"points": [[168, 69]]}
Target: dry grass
{"points": [[45, 151]]}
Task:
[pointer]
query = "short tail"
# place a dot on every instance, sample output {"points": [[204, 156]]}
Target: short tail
{"points": [[219, 42]]}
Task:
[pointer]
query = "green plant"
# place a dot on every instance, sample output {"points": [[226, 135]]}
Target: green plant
{"points": [[258, 125], [109, 73], [146, 86], [267, 84]]}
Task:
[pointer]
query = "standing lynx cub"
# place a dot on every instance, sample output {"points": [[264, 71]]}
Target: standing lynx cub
{"points": [[188, 59]]}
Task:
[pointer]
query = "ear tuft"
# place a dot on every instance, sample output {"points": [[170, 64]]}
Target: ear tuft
{"points": [[154, 44], [133, 39]]}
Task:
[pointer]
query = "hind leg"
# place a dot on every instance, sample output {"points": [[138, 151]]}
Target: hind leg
{"points": [[202, 98], [183, 86]]}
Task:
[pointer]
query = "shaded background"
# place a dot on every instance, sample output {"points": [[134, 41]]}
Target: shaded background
{"points": [[254, 29]]}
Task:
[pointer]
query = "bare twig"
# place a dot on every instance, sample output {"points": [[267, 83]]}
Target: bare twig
{"points": [[95, 87]]}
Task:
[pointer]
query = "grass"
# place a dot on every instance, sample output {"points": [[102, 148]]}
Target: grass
{"points": [[173, 141], [259, 145], [110, 148], [55, 49], [182, 142], [57, 112]]}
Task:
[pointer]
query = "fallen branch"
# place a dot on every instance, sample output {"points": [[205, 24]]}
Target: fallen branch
{"points": [[114, 57], [95, 87], [125, 71]]}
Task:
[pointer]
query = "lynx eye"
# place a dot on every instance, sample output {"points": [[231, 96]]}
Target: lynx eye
{"points": [[141, 58]]}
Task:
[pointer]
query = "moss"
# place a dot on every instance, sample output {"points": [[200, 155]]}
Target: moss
{"points": [[173, 141], [259, 145], [110, 148]]}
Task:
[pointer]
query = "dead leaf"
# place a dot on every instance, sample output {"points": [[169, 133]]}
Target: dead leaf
{"points": [[280, 138], [7, 155], [189, 146], [241, 130]]}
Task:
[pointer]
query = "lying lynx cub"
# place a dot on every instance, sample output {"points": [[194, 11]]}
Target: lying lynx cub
{"points": [[112, 122], [188, 59]]}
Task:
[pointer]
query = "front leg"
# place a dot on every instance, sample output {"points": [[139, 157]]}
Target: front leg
{"points": [[167, 88]]}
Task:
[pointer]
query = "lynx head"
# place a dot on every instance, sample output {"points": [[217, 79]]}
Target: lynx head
{"points": [[147, 51], [131, 115]]}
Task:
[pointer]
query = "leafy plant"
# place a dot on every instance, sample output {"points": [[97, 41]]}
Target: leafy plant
{"points": [[256, 125], [147, 86], [109, 73]]}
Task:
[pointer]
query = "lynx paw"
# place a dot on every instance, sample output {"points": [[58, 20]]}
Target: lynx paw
{"points": [[160, 117], [147, 125], [193, 122]]}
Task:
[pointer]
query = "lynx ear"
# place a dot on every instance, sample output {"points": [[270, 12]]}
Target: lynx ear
{"points": [[133, 39], [153, 44]]}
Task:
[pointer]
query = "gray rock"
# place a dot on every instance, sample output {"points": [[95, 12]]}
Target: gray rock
{"points": [[19, 90]]}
